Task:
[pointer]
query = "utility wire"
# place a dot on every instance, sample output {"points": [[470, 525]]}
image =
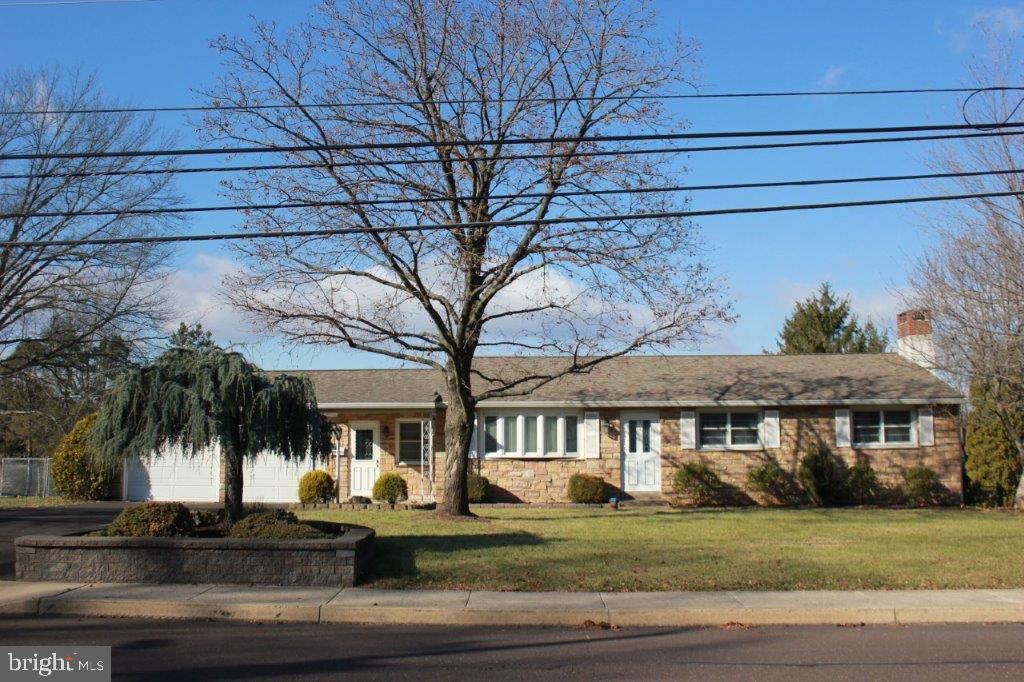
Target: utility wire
{"points": [[367, 146], [523, 195], [428, 227], [513, 157], [533, 100]]}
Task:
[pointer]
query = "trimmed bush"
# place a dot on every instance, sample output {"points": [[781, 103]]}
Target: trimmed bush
{"points": [[75, 472], [316, 486], [153, 520], [586, 489], [391, 488], [821, 476], [273, 525], [770, 479], [477, 486], [698, 482], [861, 483], [921, 487]]}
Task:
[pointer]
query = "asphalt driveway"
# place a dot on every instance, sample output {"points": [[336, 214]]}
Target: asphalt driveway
{"points": [[73, 518]]}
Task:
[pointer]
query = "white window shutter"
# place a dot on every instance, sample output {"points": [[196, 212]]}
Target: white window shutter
{"points": [[474, 441], [842, 428], [772, 429], [688, 430], [591, 435], [925, 426]]}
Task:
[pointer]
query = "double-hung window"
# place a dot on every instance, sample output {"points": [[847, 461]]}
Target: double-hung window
{"points": [[880, 427], [410, 441], [730, 429]]}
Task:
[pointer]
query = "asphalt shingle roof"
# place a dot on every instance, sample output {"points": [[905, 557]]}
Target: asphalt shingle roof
{"points": [[697, 379]]}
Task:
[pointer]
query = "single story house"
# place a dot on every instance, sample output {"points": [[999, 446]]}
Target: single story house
{"points": [[632, 420]]}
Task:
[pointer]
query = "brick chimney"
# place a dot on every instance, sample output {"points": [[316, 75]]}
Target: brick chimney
{"points": [[914, 337]]}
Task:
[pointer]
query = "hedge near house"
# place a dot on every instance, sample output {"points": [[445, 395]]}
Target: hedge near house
{"points": [[476, 486], [77, 475], [391, 488], [821, 476], [698, 482], [586, 489], [315, 487], [993, 465]]}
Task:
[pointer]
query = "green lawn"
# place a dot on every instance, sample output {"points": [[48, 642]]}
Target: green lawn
{"points": [[16, 502], [666, 549]]}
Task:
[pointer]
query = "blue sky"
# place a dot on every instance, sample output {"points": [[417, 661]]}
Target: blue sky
{"points": [[153, 53]]}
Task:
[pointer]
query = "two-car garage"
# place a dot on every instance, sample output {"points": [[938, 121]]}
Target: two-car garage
{"points": [[174, 476]]}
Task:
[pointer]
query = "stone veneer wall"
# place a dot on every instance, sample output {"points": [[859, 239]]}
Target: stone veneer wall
{"points": [[545, 480], [801, 426], [414, 478], [338, 562]]}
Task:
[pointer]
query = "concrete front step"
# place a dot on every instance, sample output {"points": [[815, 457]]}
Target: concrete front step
{"points": [[484, 607]]}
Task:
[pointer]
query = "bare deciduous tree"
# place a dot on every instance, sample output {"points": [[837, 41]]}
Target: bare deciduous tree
{"points": [[973, 280], [473, 70], [100, 291]]}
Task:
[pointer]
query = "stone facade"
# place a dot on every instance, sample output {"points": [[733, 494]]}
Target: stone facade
{"points": [[544, 480], [338, 562]]}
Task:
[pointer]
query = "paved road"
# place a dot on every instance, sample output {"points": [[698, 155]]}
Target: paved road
{"points": [[250, 651], [49, 521]]}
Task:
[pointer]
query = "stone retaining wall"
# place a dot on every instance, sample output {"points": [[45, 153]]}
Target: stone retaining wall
{"points": [[335, 562]]}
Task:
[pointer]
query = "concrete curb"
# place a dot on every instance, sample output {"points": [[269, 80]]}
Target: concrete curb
{"points": [[483, 608]]}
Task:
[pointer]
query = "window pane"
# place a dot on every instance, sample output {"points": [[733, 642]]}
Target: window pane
{"points": [[647, 435], [571, 424], [530, 433], [364, 444], [744, 428], [410, 440], [550, 435], [631, 430], [897, 426], [490, 434], [511, 435], [713, 428], [866, 427]]}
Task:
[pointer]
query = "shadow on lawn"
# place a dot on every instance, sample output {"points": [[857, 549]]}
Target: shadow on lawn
{"points": [[395, 555]]}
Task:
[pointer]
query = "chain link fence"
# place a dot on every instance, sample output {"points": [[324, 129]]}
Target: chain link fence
{"points": [[25, 477]]}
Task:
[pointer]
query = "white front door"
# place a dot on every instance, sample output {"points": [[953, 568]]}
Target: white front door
{"points": [[364, 464], [641, 452]]}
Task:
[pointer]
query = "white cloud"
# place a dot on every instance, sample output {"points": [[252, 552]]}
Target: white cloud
{"points": [[197, 294], [1006, 19], [832, 75]]}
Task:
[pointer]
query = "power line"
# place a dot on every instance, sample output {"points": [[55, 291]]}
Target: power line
{"points": [[507, 100], [514, 157], [524, 195], [367, 146], [428, 227], [44, 3]]}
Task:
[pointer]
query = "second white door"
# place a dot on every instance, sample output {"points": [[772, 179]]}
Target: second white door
{"points": [[641, 453]]}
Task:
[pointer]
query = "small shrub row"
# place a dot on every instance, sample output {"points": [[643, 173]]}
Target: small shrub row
{"points": [[316, 487]]}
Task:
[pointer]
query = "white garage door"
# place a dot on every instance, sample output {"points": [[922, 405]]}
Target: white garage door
{"points": [[171, 476], [269, 478]]}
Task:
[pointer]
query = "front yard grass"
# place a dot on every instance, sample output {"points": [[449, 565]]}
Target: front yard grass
{"points": [[26, 502], [707, 549]]}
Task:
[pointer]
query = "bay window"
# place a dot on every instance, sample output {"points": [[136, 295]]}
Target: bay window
{"points": [[530, 434]]}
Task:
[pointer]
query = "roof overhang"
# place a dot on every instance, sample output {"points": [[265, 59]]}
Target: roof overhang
{"points": [[504, 404]]}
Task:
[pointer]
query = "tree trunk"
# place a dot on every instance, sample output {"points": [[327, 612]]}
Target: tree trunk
{"points": [[458, 430], [232, 484], [1018, 498]]}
